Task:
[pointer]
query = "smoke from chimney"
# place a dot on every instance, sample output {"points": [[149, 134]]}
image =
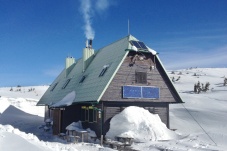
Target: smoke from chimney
{"points": [[88, 12]]}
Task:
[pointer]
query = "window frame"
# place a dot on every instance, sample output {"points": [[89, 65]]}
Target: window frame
{"points": [[54, 86], [141, 77], [66, 83], [82, 79]]}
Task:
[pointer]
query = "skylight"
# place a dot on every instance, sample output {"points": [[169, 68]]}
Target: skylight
{"points": [[66, 83], [82, 79], [52, 89], [138, 44], [105, 67]]}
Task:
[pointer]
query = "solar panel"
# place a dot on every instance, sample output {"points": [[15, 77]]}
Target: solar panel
{"points": [[142, 45], [140, 92], [136, 44], [150, 92], [131, 92]]}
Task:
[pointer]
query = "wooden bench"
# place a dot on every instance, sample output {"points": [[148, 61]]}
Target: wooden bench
{"points": [[115, 144], [126, 140], [62, 135], [93, 138], [45, 128], [73, 138]]}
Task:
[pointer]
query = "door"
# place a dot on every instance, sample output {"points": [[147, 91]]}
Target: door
{"points": [[56, 121]]}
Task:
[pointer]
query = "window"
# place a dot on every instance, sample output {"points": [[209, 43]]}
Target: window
{"points": [[92, 114], [82, 79], [88, 114], [53, 87], [105, 67], [102, 72], [83, 113], [141, 77], [66, 83]]}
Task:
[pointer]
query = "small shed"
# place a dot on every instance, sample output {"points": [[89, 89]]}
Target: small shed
{"points": [[102, 83]]}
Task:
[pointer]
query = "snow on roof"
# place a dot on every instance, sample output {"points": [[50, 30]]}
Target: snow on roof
{"points": [[140, 124], [66, 101], [152, 51]]}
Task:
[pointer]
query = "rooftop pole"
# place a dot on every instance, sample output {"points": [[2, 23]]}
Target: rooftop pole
{"points": [[128, 28]]}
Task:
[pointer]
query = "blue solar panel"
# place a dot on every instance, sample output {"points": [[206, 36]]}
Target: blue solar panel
{"points": [[131, 92], [142, 45], [150, 92], [140, 92], [136, 44]]}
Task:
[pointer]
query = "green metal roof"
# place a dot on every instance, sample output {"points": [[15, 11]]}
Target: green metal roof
{"points": [[93, 87]]}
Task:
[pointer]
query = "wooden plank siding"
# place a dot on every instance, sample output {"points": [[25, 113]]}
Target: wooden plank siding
{"points": [[113, 108], [126, 76], [63, 118], [112, 101], [57, 118]]}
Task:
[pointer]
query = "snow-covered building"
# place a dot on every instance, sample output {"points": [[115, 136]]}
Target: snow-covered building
{"points": [[102, 83]]}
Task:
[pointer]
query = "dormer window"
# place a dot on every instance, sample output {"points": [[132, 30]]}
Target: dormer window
{"points": [[66, 83], [105, 67]]}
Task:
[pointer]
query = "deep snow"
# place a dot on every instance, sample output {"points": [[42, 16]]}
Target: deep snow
{"points": [[199, 124], [143, 127]]}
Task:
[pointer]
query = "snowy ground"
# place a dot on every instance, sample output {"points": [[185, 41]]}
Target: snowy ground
{"points": [[200, 122]]}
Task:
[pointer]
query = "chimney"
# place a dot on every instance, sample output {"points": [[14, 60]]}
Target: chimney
{"points": [[90, 43], [68, 63], [88, 53]]}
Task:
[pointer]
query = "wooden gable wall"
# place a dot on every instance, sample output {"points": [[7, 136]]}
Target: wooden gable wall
{"points": [[126, 76]]}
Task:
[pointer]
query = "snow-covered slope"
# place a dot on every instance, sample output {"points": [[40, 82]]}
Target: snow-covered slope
{"points": [[203, 115], [28, 92], [199, 123], [24, 98]]}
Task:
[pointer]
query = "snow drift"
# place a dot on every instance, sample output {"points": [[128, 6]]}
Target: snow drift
{"points": [[140, 124]]}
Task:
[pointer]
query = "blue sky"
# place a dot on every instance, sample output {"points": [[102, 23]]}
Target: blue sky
{"points": [[37, 35]]}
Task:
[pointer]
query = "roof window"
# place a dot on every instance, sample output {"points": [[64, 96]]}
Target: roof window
{"points": [[66, 83], [82, 79], [105, 67], [53, 87]]}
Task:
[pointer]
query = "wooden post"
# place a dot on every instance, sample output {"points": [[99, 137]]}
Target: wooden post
{"points": [[101, 140]]}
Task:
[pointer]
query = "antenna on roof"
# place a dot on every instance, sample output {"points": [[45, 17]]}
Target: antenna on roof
{"points": [[128, 28]]}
